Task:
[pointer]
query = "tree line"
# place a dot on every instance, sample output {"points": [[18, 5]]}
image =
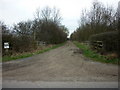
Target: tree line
{"points": [[45, 27], [100, 23], [98, 19]]}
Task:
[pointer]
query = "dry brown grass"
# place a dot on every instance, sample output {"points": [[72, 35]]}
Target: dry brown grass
{"points": [[111, 56], [39, 48]]}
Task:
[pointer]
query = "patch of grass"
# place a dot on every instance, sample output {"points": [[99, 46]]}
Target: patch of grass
{"points": [[9, 58], [93, 55]]}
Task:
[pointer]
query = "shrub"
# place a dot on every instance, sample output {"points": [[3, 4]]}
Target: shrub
{"points": [[18, 44], [109, 39], [23, 44]]}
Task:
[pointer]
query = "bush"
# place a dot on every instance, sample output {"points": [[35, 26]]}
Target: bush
{"points": [[23, 44], [109, 39], [18, 44]]}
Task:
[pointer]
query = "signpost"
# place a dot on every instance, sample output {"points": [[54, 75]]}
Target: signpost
{"points": [[6, 46]]}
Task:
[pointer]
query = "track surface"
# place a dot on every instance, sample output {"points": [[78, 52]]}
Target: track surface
{"points": [[61, 67]]}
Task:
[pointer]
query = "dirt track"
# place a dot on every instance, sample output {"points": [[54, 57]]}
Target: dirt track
{"points": [[65, 63]]}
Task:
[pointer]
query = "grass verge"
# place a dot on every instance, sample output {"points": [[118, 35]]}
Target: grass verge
{"points": [[93, 55], [9, 58]]}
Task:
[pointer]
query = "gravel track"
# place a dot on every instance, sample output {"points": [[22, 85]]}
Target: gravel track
{"points": [[63, 64]]}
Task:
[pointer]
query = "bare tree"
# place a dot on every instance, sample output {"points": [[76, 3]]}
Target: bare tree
{"points": [[56, 15], [46, 13], [23, 28], [37, 14], [47, 25], [98, 20]]}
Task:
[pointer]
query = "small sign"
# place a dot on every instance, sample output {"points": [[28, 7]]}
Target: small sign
{"points": [[6, 45]]}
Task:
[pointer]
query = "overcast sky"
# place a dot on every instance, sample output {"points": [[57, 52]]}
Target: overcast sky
{"points": [[14, 11]]}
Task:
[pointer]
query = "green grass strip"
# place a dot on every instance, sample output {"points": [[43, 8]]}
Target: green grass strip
{"points": [[93, 55], [9, 58]]}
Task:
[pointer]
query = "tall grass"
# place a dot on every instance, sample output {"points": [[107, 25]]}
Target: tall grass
{"points": [[93, 55], [9, 58]]}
